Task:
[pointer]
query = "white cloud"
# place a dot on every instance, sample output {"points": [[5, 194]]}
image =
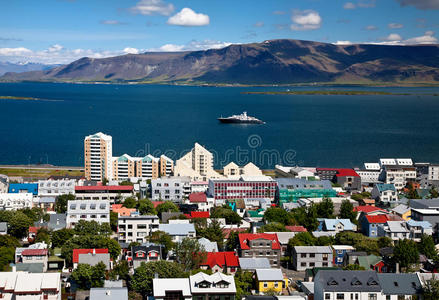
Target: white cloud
{"points": [[349, 5], [366, 3], [305, 20], [393, 37], [343, 43], [427, 38], [259, 24], [395, 25], [152, 7], [187, 17], [129, 50], [112, 22], [192, 46], [371, 27], [421, 4], [14, 51], [55, 48]]}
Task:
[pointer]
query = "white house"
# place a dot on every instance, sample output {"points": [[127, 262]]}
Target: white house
{"points": [[385, 192], [14, 201], [88, 210]]}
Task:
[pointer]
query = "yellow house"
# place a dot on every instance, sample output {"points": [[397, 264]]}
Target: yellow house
{"points": [[270, 280], [403, 211]]}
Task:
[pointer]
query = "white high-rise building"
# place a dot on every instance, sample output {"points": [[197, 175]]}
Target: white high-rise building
{"points": [[98, 154]]}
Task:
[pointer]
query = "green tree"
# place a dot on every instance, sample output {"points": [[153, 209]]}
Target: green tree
{"points": [[384, 242], [272, 227], [190, 254], [141, 281], [430, 290], [92, 227], [324, 241], [43, 235], [145, 207], [302, 239], [325, 209], [278, 215], [120, 271], [61, 203], [354, 267], [243, 283], [60, 237], [130, 202], [9, 241], [347, 211], [162, 238], [7, 256], [406, 253], [427, 246], [126, 182], [86, 276], [114, 218], [213, 232], [226, 213], [19, 225], [233, 241], [434, 193], [166, 206]]}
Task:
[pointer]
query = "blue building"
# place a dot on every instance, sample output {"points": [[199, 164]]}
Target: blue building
{"points": [[337, 225], [369, 224], [16, 188], [339, 252]]}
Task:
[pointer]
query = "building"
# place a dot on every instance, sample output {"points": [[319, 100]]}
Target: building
{"points": [[372, 262], [201, 200], [429, 215], [166, 166], [56, 222], [145, 253], [336, 225], [402, 211], [369, 177], [83, 256], [171, 289], [339, 254], [148, 167], [385, 192], [3, 228], [433, 173], [397, 171], [56, 187], [208, 245], [111, 193], [98, 154], [304, 257], [232, 170], [197, 164], [121, 210], [23, 188], [46, 203], [34, 256], [251, 264], [370, 224], [418, 229], [223, 262], [358, 285], [284, 238], [348, 179], [88, 210], [4, 183], [396, 230], [16, 201], [179, 231], [170, 188], [136, 228], [199, 186], [257, 245], [295, 172], [251, 187], [124, 167], [23, 286], [216, 286], [268, 280], [400, 286], [292, 189], [107, 293]]}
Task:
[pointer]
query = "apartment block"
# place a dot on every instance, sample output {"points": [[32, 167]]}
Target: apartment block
{"points": [[171, 188], [98, 154], [124, 167], [259, 245], [305, 257], [148, 167], [88, 210], [56, 187], [166, 166], [10, 201], [136, 228], [246, 187]]}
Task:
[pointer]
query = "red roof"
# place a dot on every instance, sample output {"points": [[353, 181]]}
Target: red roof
{"points": [[33, 229], [157, 203], [198, 214], [378, 219], [76, 252], [104, 188], [341, 172], [228, 259], [34, 252], [227, 231], [244, 238], [368, 208], [197, 197], [296, 228], [116, 206]]}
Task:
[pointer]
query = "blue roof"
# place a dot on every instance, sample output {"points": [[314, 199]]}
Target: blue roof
{"points": [[385, 187], [330, 224], [177, 229], [20, 187], [423, 224]]}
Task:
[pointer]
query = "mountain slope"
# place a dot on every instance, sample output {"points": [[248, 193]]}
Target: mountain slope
{"points": [[270, 62], [22, 67]]}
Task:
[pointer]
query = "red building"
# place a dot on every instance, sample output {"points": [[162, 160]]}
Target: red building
{"points": [[225, 262]]}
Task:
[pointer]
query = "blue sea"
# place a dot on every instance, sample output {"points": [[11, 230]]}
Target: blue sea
{"points": [[317, 130]]}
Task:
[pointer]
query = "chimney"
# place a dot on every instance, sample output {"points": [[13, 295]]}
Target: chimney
{"points": [[108, 292], [397, 268], [94, 251], [156, 275]]}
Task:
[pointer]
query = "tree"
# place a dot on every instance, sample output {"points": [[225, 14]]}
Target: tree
{"points": [[412, 192], [145, 207], [130, 202], [61, 203], [86, 276], [324, 241], [166, 206], [243, 283], [384, 242], [7, 256], [213, 232], [114, 218], [325, 209], [306, 216], [347, 211], [431, 289], [190, 254], [141, 281], [278, 215], [162, 238], [226, 213], [92, 227], [120, 271], [434, 193], [272, 227], [406, 253], [233, 241], [354, 267], [60, 237], [43, 235], [302, 239], [9, 241], [427, 247], [19, 224]]}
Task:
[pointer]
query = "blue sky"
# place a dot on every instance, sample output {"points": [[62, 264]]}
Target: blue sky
{"points": [[59, 31]]}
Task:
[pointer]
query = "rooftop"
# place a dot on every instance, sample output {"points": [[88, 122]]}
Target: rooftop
{"points": [[269, 275], [244, 238]]}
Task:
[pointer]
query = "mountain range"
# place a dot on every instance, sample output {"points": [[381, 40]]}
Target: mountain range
{"points": [[270, 62], [6, 67]]}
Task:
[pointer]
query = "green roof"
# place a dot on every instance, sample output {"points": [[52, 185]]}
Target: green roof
{"points": [[30, 267], [367, 261], [55, 258]]}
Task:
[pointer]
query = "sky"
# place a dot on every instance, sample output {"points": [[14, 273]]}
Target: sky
{"points": [[61, 31]]}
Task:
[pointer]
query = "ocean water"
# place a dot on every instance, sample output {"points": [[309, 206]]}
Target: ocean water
{"points": [[317, 130]]}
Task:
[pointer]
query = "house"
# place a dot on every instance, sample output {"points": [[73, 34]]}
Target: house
{"points": [[428, 215], [269, 280], [224, 262], [145, 253], [400, 286], [32, 233], [283, 238], [402, 211], [121, 210], [333, 285], [348, 179], [369, 210], [216, 286], [19, 250], [22, 286], [260, 245], [396, 230], [385, 193], [237, 205], [170, 188], [83, 256], [311, 273], [304, 257], [3, 228], [198, 215], [201, 200], [178, 231], [372, 262], [9, 201], [88, 210], [171, 288], [336, 225], [251, 264], [35, 256], [199, 186], [339, 252], [46, 203], [109, 193], [136, 228], [397, 171], [351, 257], [106, 293], [369, 224], [208, 245], [419, 228], [295, 172], [56, 187]]}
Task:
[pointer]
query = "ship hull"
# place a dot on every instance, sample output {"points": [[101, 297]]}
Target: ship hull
{"points": [[237, 121]]}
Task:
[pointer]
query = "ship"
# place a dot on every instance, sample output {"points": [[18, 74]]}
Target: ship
{"points": [[241, 119]]}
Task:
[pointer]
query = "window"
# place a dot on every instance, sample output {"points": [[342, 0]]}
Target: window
{"points": [[340, 296], [327, 296], [265, 285], [311, 264], [312, 255], [303, 255], [373, 297], [276, 284], [303, 264]]}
